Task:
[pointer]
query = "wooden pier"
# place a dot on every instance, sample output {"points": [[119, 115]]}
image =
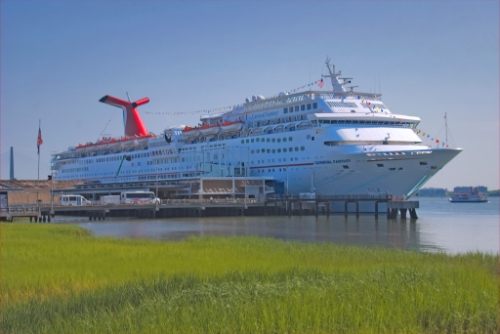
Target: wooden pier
{"points": [[286, 206]]}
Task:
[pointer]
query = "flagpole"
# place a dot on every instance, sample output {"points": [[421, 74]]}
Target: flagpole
{"points": [[38, 182]]}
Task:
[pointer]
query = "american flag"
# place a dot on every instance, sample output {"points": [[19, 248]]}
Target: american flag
{"points": [[39, 140]]}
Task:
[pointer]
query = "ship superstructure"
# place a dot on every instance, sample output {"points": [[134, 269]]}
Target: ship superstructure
{"points": [[336, 142]]}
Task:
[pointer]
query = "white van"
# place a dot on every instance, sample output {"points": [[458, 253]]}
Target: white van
{"points": [[73, 200]]}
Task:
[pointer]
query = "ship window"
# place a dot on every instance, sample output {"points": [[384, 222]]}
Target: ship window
{"points": [[433, 167], [348, 122], [274, 151], [380, 165], [251, 140], [257, 139], [302, 148], [284, 139], [296, 108], [290, 149], [315, 105], [268, 140], [284, 150], [303, 107], [296, 148], [308, 106], [334, 122], [279, 140], [279, 150], [290, 138], [423, 163], [345, 167], [392, 168], [285, 110]]}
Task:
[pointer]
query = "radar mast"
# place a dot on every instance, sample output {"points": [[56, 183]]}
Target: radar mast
{"points": [[335, 78]]}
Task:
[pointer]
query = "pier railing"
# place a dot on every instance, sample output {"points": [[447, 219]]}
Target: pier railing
{"points": [[20, 208], [338, 197]]}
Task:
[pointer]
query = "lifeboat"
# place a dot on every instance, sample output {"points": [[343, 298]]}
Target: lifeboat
{"points": [[232, 126], [209, 129], [191, 132]]}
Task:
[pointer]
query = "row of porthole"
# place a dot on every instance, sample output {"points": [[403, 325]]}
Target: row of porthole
{"points": [[75, 170], [302, 107], [279, 150], [268, 140]]}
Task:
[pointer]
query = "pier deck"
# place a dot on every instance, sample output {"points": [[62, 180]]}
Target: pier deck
{"points": [[217, 207]]}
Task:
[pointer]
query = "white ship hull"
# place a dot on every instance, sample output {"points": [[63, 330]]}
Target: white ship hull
{"points": [[331, 170]]}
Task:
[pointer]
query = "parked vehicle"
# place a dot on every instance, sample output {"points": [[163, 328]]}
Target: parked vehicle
{"points": [[110, 200], [73, 200], [138, 197]]}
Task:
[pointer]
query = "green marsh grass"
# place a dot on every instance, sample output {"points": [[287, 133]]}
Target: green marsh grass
{"points": [[60, 279]]}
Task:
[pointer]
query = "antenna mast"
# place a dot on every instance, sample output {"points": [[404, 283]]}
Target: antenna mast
{"points": [[334, 77], [446, 127]]}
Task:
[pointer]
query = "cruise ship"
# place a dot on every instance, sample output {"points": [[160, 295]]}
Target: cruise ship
{"points": [[330, 141]]}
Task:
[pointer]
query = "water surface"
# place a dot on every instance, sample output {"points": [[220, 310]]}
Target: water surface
{"points": [[442, 226]]}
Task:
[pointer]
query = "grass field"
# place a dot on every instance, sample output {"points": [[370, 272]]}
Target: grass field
{"points": [[60, 279]]}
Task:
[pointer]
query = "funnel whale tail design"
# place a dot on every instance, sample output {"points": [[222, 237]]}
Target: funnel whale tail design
{"points": [[131, 118]]}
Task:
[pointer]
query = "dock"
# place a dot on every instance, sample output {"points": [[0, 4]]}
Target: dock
{"points": [[275, 206]]}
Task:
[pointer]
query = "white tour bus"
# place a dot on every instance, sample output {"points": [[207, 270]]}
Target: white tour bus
{"points": [[138, 197], [73, 200]]}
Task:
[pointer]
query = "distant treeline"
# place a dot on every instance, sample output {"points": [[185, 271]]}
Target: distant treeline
{"points": [[494, 193]]}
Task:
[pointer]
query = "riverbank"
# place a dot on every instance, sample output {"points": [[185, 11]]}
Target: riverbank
{"points": [[60, 279]]}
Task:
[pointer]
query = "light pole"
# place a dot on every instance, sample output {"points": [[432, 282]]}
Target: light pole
{"points": [[156, 182], [52, 192]]}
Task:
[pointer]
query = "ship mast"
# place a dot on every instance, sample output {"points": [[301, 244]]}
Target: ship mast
{"points": [[335, 78], [446, 128]]}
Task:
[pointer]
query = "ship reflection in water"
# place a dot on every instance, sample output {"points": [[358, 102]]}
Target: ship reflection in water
{"points": [[337, 229], [363, 231], [442, 226]]}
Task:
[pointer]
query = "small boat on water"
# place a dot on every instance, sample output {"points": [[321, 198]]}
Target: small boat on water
{"points": [[472, 196]]}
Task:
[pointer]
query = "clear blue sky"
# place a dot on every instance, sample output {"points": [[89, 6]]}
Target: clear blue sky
{"points": [[58, 58]]}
